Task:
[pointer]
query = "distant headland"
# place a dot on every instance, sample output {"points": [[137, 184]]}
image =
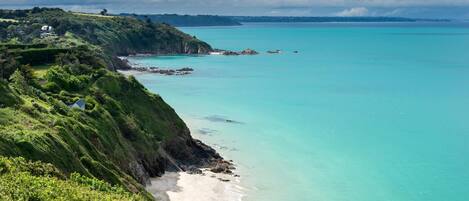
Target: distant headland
{"points": [[216, 20]]}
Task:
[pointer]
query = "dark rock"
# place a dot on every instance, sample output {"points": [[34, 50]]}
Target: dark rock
{"points": [[181, 71], [193, 170], [222, 167], [185, 69], [230, 53], [121, 64], [274, 51], [249, 52], [138, 172]]}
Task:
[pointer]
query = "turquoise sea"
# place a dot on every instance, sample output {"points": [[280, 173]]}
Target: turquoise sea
{"points": [[364, 112]]}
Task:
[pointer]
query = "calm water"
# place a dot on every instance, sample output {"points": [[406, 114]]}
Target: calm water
{"points": [[362, 112]]}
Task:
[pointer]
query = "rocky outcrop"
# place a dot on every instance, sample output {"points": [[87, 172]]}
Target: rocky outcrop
{"points": [[274, 51], [162, 71], [249, 52], [234, 53]]}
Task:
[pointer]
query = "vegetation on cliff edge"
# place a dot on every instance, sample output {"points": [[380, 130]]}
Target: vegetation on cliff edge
{"points": [[109, 149]]}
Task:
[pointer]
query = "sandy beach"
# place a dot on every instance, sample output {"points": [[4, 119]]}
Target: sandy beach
{"points": [[208, 186], [174, 186]]}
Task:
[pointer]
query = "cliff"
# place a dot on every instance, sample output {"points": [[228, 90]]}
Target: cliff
{"points": [[112, 145], [116, 35]]}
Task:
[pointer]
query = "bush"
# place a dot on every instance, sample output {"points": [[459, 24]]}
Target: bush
{"points": [[26, 180], [39, 56]]}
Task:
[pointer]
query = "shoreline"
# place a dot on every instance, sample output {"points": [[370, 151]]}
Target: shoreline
{"points": [[204, 185], [207, 186]]}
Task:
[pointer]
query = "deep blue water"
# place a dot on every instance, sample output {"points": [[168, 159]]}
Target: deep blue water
{"points": [[364, 112]]}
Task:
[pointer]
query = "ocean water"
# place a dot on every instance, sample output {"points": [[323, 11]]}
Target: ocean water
{"points": [[364, 112]]}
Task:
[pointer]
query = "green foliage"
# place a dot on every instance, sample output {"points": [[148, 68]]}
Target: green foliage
{"points": [[116, 35], [24, 46], [8, 63], [19, 164], [26, 180], [19, 81], [122, 125], [7, 97], [39, 56]]}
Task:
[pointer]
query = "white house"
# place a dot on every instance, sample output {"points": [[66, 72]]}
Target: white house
{"points": [[47, 28]]}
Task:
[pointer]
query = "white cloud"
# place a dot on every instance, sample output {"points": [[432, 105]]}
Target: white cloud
{"points": [[353, 12], [395, 12]]}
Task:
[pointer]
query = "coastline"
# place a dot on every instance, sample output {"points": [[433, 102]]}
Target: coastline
{"points": [[181, 186], [207, 186]]}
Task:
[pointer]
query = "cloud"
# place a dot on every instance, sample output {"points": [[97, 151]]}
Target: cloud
{"points": [[404, 8], [395, 12], [259, 3], [353, 12]]}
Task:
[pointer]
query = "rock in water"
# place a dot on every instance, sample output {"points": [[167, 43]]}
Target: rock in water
{"points": [[249, 52]]}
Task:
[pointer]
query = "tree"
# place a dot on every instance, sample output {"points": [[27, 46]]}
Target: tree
{"points": [[8, 63], [19, 81], [104, 12]]}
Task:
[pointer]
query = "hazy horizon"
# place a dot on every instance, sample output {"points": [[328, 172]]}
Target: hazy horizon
{"points": [[448, 9]]}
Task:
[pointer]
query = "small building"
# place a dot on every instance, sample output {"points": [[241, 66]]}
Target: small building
{"points": [[47, 31], [47, 28], [80, 104]]}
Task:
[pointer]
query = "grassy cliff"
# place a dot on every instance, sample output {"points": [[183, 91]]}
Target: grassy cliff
{"points": [[124, 135], [116, 35], [109, 149]]}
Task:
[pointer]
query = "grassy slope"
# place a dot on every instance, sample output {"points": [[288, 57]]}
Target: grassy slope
{"points": [[121, 35], [123, 124], [25, 180], [124, 135]]}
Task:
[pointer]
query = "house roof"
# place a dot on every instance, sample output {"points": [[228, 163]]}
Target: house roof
{"points": [[79, 104]]}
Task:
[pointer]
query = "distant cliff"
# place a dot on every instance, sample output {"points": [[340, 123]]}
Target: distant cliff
{"points": [[187, 20], [328, 19], [115, 35]]}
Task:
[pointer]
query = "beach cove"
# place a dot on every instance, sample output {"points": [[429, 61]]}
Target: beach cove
{"points": [[363, 111]]}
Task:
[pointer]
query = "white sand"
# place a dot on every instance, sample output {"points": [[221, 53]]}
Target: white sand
{"points": [[181, 186], [186, 187]]}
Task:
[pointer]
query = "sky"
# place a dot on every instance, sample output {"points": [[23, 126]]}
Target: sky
{"points": [[453, 9]]}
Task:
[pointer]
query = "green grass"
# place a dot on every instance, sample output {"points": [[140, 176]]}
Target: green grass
{"points": [[93, 15], [26, 180], [122, 129], [41, 70], [122, 123], [8, 20]]}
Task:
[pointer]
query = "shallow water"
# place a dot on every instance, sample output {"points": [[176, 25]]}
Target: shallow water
{"points": [[363, 112]]}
